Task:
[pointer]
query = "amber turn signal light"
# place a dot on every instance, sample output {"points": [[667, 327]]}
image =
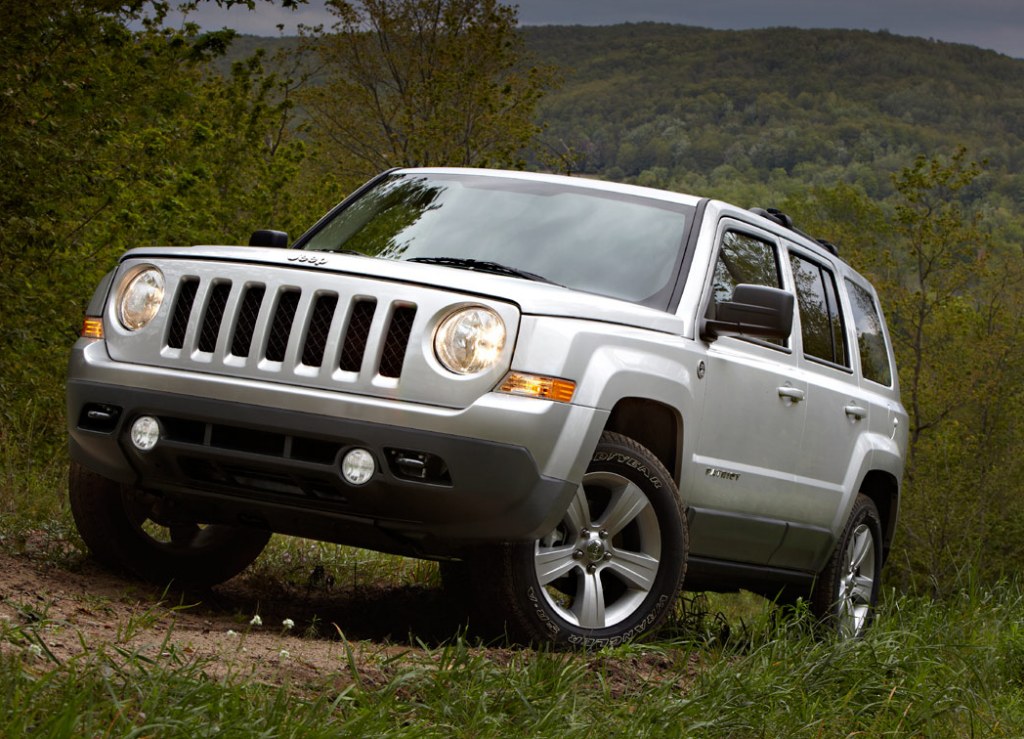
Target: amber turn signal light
{"points": [[92, 328], [537, 386]]}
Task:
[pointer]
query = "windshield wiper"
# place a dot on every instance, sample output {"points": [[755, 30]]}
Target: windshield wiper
{"points": [[480, 265]]}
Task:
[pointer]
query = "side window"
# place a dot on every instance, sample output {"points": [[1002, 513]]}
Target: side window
{"points": [[744, 260], [874, 354], [821, 320]]}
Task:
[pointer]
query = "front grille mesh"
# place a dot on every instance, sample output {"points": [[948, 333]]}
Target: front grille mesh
{"points": [[398, 339], [281, 326], [319, 328], [182, 311], [214, 316], [357, 334], [245, 323], [333, 331]]}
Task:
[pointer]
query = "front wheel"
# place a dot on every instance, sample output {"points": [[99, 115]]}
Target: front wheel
{"points": [[846, 591], [126, 529], [611, 570]]}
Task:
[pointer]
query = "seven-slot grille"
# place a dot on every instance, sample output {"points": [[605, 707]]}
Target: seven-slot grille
{"points": [[230, 314]]}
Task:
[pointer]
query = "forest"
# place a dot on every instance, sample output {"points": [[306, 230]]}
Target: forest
{"points": [[119, 129], [906, 152]]}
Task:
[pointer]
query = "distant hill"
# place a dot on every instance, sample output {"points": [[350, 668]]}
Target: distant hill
{"points": [[678, 102], [701, 109]]}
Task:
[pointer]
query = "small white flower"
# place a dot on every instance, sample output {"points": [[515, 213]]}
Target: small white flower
{"points": [[288, 624], [232, 632], [284, 654], [256, 621], [35, 650]]}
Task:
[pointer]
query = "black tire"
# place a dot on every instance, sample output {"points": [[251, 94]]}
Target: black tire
{"points": [[120, 527], [846, 591], [611, 570]]}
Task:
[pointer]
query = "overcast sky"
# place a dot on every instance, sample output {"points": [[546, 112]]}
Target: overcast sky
{"points": [[990, 24]]}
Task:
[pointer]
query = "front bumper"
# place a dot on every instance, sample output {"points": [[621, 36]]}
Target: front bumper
{"points": [[268, 455]]}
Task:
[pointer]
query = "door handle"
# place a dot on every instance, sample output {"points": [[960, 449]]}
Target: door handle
{"points": [[792, 393], [856, 412]]}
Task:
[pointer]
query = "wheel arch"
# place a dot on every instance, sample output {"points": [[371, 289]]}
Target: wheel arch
{"points": [[883, 490], [656, 425]]}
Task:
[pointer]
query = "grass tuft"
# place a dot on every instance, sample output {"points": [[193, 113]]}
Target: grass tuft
{"points": [[723, 666]]}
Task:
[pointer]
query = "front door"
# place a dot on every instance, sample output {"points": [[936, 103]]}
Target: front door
{"points": [[749, 437]]}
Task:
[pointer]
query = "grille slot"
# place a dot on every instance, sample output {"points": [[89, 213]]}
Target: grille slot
{"points": [[397, 341], [281, 327], [182, 311], [319, 329], [214, 316], [247, 440], [245, 324], [357, 335], [314, 450]]}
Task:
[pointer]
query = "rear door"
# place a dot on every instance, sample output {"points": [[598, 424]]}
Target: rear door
{"points": [[837, 414]]}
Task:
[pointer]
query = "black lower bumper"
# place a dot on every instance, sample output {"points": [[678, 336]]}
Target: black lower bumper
{"points": [[431, 494]]}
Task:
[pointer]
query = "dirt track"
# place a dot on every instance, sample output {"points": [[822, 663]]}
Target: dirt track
{"points": [[79, 603]]}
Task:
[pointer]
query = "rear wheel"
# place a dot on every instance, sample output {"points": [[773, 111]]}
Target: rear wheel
{"points": [[611, 570], [846, 591], [127, 529]]}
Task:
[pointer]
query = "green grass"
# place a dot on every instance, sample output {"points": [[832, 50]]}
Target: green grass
{"points": [[724, 666], [927, 669]]}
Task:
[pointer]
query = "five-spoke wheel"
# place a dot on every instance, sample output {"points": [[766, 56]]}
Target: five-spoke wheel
{"points": [[846, 592], [600, 564], [612, 568]]}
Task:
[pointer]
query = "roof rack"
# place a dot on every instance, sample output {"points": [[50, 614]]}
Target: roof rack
{"points": [[777, 216]]}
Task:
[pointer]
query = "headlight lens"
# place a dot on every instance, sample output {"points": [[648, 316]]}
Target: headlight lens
{"points": [[470, 340], [141, 294]]}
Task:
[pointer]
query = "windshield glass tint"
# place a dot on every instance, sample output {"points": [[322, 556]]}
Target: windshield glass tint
{"points": [[616, 245]]}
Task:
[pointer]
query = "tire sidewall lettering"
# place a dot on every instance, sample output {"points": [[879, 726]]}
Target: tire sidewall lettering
{"points": [[541, 612], [629, 461], [638, 629]]}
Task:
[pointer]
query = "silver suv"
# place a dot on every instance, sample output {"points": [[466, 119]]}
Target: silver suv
{"points": [[571, 393]]}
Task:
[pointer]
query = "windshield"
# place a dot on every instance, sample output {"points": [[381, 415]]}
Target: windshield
{"points": [[621, 246]]}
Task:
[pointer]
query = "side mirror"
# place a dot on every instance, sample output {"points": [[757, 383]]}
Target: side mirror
{"points": [[755, 310], [266, 237]]}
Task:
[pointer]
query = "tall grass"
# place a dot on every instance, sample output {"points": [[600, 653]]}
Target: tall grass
{"points": [[33, 485], [927, 668]]}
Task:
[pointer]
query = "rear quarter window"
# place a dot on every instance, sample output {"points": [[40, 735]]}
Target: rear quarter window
{"points": [[875, 362]]}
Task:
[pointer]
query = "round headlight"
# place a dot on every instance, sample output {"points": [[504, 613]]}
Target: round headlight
{"points": [[470, 340], [140, 298]]}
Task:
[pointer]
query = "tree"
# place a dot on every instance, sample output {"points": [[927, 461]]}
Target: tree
{"points": [[423, 82], [957, 305], [953, 292], [112, 138]]}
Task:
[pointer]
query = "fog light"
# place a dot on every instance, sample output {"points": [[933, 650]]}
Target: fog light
{"points": [[145, 433], [357, 467]]}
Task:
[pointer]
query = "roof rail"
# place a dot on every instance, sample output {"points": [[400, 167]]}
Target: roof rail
{"points": [[777, 216]]}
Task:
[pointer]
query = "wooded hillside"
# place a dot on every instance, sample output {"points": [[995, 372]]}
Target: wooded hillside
{"points": [[906, 152], [701, 107]]}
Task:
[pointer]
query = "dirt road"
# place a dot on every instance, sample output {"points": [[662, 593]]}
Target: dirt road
{"points": [[302, 638], [244, 625]]}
